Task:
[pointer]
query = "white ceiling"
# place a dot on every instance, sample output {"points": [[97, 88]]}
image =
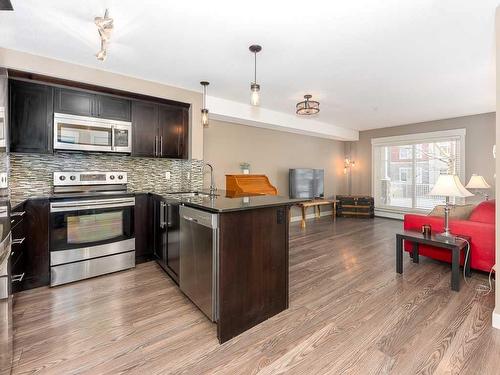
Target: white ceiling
{"points": [[370, 63]]}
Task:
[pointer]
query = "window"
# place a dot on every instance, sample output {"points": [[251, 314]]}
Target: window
{"points": [[405, 153], [404, 174], [405, 169]]}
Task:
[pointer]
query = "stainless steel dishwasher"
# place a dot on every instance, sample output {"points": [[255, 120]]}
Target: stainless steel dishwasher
{"points": [[199, 255]]}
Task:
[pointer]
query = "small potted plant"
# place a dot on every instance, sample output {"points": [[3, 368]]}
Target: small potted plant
{"points": [[245, 167]]}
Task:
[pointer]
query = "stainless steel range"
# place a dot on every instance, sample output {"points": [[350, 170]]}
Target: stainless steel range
{"points": [[91, 226]]}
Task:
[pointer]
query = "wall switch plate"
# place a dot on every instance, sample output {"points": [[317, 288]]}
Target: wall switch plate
{"points": [[3, 181], [167, 175]]}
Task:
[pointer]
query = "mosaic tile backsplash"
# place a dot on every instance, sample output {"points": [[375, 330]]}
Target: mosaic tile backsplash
{"points": [[31, 174]]}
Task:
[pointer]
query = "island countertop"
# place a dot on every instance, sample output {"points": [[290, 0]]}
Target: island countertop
{"points": [[224, 201]]}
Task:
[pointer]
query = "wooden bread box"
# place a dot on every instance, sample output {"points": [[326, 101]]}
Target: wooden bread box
{"points": [[249, 184]]}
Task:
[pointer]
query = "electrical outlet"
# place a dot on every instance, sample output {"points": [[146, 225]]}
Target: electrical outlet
{"points": [[188, 175], [3, 181], [167, 175]]}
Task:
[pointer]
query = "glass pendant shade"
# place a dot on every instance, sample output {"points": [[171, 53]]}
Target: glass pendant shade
{"points": [[255, 96], [204, 117], [307, 107], [204, 110]]}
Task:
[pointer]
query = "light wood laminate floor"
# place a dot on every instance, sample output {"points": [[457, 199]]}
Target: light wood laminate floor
{"points": [[349, 313]]}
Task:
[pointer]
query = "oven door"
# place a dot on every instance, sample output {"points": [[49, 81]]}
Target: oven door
{"points": [[86, 229], [91, 134]]}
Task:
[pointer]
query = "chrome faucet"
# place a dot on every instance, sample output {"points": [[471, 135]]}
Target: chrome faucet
{"points": [[213, 189]]}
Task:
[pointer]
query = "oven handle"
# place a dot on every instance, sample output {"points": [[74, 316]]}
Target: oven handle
{"points": [[90, 205]]}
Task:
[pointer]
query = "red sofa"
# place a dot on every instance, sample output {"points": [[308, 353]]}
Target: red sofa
{"points": [[480, 227]]}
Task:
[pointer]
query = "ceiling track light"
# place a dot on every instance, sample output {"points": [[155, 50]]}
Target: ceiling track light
{"points": [[104, 27], [254, 86], [307, 107], [204, 110]]}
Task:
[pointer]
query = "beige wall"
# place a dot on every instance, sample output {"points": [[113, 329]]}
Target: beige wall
{"points": [[479, 142], [60, 69], [272, 153]]}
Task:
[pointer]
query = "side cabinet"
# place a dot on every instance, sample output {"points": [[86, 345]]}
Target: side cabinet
{"points": [[143, 219], [253, 268], [31, 116], [31, 239]]}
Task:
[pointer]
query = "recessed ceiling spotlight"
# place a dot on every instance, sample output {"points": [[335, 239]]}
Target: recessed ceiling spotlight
{"points": [[254, 86], [104, 27], [307, 107]]}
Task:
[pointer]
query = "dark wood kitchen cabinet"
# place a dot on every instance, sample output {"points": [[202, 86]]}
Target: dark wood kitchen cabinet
{"points": [[172, 130], [33, 235], [144, 128], [159, 130], [84, 103], [167, 235], [31, 116], [143, 223]]}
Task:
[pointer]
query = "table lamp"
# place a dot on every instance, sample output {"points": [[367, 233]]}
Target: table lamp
{"points": [[449, 185], [479, 183]]}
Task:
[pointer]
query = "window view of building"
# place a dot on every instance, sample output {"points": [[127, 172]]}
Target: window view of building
{"points": [[404, 174]]}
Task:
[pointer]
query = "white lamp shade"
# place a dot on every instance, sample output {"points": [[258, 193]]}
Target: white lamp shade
{"points": [[449, 185], [477, 182]]}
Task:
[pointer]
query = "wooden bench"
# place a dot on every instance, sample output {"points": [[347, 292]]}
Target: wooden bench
{"points": [[317, 203]]}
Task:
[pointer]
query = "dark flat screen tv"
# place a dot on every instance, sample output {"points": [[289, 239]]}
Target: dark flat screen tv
{"points": [[306, 183]]}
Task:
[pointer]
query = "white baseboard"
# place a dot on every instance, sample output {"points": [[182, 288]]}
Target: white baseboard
{"points": [[495, 321], [390, 215], [311, 216]]}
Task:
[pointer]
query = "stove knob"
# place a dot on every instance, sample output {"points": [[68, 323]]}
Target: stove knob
{"points": [[72, 178], [120, 177], [62, 178], [112, 177]]}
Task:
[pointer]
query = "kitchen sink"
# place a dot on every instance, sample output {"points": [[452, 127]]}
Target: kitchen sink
{"points": [[195, 194]]}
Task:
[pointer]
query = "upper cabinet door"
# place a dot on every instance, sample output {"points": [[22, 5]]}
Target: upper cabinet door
{"points": [[31, 117], [173, 132], [74, 102], [144, 129], [113, 108]]}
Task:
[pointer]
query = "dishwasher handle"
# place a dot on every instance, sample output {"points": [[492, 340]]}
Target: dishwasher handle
{"points": [[188, 218]]}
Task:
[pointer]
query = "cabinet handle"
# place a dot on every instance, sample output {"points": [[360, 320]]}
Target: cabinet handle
{"points": [[17, 278], [161, 145], [162, 214], [156, 145], [18, 241]]}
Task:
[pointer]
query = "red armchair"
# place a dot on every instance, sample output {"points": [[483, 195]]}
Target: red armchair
{"points": [[480, 227]]}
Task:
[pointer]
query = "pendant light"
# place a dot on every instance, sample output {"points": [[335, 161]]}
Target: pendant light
{"points": [[307, 107], [204, 110], [254, 86]]}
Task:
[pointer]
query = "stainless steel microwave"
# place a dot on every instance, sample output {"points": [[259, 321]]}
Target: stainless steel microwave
{"points": [[91, 134]]}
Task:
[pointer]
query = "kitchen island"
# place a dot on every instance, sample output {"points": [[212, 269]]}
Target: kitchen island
{"points": [[249, 262]]}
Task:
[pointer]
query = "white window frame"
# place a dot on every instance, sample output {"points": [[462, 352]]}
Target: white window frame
{"points": [[409, 139]]}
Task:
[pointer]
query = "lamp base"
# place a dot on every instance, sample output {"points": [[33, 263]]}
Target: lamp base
{"points": [[446, 237]]}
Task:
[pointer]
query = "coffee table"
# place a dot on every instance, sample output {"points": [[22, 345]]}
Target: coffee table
{"points": [[454, 245]]}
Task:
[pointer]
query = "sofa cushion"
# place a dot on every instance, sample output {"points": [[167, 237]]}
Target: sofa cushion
{"points": [[458, 212], [484, 212]]}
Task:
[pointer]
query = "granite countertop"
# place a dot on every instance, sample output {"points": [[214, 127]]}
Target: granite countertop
{"points": [[222, 201]]}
